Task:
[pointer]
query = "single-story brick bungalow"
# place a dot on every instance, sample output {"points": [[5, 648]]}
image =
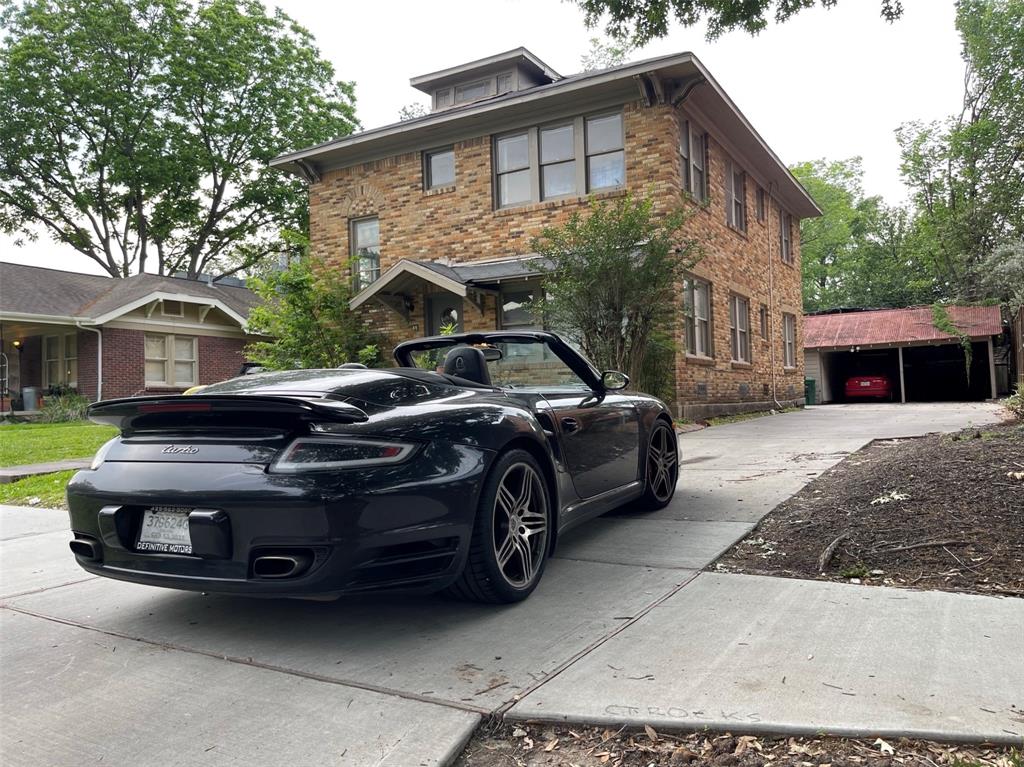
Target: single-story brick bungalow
{"points": [[109, 337]]}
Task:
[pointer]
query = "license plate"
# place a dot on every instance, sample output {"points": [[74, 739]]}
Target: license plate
{"points": [[165, 530], [865, 383]]}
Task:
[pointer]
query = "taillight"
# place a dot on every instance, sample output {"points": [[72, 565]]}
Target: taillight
{"points": [[323, 453]]}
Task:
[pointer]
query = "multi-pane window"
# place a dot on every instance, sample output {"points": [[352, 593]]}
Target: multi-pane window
{"points": [[606, 159], [697, 316], [439, 168], [761, 204], [785, 236], [693, 152], [789, 340], [60, 360], [567, 159], [557, 161], [513, 168], [739, 328], [735, 197], [365, 238], [472, 91], [504, 82], [170, 360], [764, 321], [443, 98]]}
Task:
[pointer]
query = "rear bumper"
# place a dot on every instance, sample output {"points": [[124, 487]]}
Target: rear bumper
{"points": [[404, 528]]}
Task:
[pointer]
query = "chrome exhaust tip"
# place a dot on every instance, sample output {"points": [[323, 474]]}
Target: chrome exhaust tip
{"points": [[283, 565]]}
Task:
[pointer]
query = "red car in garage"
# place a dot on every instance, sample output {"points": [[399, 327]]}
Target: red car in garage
{"points": [[869, 387]]}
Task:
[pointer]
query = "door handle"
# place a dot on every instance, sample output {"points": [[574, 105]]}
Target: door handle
{"points": [[569, 425]]}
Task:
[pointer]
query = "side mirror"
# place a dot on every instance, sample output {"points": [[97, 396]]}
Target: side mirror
{"points": [[613, 380]]}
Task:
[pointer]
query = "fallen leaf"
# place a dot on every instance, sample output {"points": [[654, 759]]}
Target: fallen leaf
{"points": [[518, 732], [884, 747], [551, 745], [651, 733]]}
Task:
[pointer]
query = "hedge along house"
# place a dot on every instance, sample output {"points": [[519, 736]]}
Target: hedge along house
{"points": [[108, 338], [436, 214], [923, 362]]}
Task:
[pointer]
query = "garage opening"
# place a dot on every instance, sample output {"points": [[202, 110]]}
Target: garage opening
{"points": [[939, 373], [842, 366]]}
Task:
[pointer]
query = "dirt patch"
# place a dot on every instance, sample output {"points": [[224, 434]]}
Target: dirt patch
{"points": [[510, 745], [940, 512]]}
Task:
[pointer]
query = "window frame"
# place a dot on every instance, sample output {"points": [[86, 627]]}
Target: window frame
{"points": [[739, 333], [489, 84], [541, 165], [165, 313], [689, 158], [788, 341], [428, 176], [518, 286], [762, 314], [786, 237], [170, 359], [59, 362], [355, 258], [760, 204], [735, 204], [697, 344], [581, 157], [447, 95]]}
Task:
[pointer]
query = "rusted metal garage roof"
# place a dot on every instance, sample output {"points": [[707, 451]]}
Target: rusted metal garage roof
{"points": [[893, 327]]}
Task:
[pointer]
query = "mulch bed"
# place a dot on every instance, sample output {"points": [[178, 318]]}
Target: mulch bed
{"points": [[514, 745], [940, 512]]}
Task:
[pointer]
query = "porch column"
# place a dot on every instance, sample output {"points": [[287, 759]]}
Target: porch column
{"points": [[903, 385], [992, 367]]}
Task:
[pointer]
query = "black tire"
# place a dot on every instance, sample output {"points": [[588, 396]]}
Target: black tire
{"points": [[524, 547], [661, 468]]}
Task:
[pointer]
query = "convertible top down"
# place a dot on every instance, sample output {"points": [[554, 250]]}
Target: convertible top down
{"points": [[457, 470]]}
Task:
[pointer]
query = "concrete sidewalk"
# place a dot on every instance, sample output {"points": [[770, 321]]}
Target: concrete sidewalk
{"points": [[14, 473], [403, 681]]}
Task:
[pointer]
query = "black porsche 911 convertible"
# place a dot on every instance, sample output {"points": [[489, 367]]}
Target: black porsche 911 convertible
{"points": [[456, 470]]}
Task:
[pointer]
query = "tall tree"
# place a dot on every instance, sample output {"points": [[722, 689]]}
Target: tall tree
{"points": [[605, 53], [138, 131], [967, 174], [644, 20]]}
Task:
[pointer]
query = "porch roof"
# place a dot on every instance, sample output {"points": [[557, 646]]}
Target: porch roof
{"points": [[410, 274], [897, 327]]}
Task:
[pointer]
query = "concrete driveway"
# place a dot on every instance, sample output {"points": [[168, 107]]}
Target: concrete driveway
{"points": [[623, 629]]}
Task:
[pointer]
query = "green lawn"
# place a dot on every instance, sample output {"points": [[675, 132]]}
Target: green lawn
{"points": [[22, 443], [48, 488]]}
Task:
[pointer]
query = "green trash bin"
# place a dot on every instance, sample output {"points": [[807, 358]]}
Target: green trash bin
{"points": [[811, 391]]}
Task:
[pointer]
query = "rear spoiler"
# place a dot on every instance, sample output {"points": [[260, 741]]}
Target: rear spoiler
{"points": [[122, 413]]}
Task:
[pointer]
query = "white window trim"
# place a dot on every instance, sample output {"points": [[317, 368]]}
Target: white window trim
{"points": [[61, 359], [789, 341], [693, 160], [739, 328], [354, 256], [734, 197], [169, 360], [165, 313], [698, 325]]}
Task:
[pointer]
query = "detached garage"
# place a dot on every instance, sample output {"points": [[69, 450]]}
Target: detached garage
{"points": [[900, 354]]}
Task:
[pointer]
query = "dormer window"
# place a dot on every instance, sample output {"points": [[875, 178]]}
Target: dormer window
{"points": [[504, 83], [443, 98], [472, 91]]}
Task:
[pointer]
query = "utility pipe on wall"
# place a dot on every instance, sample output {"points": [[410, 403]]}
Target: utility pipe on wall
{"points": [[99, 358]]}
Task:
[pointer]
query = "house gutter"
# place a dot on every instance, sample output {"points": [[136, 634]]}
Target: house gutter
{"points": [[99, 357]]}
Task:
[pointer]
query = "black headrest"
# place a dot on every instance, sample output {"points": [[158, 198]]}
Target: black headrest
{"points": [[469, 363]]}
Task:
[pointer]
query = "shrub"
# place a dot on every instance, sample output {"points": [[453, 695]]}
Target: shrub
{"points": [[63, 408], [1015, 403]]}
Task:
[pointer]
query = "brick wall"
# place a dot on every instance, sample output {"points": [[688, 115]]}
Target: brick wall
{"points": [[460, 224], [219, 358], [87, 342]]}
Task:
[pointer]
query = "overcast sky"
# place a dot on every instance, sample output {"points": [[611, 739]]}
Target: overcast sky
{"points": [[830, 84]]}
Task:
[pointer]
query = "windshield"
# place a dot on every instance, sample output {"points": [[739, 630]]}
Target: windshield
{"points": [[513, 364]]}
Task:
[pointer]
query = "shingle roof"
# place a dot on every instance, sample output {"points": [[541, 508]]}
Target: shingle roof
{"points": [[488, 272], [51, 292], [896, 326]]}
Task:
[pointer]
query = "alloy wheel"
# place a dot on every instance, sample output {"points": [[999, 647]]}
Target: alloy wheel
{"points": [[520, 524], [662, 463]]}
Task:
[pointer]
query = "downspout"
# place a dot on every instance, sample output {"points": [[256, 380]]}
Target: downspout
{"points": [[771, 296], [99, 357]]}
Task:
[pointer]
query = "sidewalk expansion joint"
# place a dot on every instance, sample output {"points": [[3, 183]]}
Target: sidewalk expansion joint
{"points": [[379, 689]]}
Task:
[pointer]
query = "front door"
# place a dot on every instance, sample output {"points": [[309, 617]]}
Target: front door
{"points": [[444, 310]]}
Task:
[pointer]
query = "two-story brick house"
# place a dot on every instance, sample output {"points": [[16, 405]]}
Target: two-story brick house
{"points": [[436, 214]]}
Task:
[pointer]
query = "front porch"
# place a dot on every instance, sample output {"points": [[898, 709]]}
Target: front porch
{"points": [[38, 360]]}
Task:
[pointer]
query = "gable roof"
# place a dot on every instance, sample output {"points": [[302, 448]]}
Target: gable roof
{"points": [[892, 327], [35, 291], [681, 79]]}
